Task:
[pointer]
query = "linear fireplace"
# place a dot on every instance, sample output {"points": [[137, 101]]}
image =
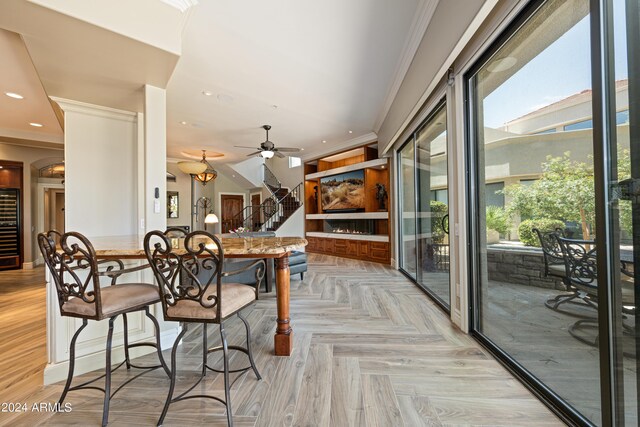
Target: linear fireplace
{"points": [[349, 226]]}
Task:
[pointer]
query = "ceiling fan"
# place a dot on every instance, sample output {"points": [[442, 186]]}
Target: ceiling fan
{"points": [[268, 149]]}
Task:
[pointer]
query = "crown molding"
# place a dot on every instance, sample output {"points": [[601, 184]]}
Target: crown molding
{"points": [[421, 20], [342, 146], [181, 5], [477, 21], [31, 139], [69, 105]]}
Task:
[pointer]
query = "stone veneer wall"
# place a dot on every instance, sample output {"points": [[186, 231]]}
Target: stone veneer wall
{"points": [[521, 266]]}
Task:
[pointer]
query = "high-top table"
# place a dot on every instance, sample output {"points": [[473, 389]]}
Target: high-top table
{"points": [[131, 247]]}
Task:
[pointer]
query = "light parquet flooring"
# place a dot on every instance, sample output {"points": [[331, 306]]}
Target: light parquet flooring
{"points": [[370, 350], [23, 352]]}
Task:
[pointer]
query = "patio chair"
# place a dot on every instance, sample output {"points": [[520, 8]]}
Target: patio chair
{"points": [[554, 266], [582, 274]]}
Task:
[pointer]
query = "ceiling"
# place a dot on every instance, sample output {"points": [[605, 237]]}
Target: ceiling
{"points": [[313, 70], [320, 72], [19, 76]]}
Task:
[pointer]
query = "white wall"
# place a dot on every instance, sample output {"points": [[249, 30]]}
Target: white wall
{"points": [[450, 21], [28, 156], [155, 158], [251, 169], [100, 169]]}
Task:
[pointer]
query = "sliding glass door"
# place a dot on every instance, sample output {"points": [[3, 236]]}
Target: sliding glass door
{"points": [[425, 212], [554, 161], [621, 184], [406, 168]]}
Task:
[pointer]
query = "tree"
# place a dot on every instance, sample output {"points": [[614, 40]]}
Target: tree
{"points": [[565, 192], [624, 172]]}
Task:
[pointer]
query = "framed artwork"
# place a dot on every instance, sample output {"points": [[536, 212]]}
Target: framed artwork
{"points": [[173, 202]]}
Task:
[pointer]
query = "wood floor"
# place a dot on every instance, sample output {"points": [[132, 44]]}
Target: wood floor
{"points": [[370, 350], [23, 352]]}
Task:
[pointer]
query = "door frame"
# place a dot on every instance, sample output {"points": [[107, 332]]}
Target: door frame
{"points": [[604, 140], [40, 215], [258, 193]]}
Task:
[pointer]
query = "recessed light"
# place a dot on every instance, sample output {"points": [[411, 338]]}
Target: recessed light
{"points": [[207, 93], [302, 149], [350, 131], [183, 122], [382, 166], [1, 167], [274, 106], [324, 141], [14, 95], [233, 176], [36, 125]]}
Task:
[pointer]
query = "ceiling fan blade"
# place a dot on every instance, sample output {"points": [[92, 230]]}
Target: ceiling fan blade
{"points": [[253, 154], [287, 149], [277, 153], [241, 146]]}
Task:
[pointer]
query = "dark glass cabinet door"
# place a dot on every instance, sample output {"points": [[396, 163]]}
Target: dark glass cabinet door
{"points": [[9, 228]]}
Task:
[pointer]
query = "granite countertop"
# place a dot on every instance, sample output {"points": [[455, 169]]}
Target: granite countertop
{"points": [[132, 246]]}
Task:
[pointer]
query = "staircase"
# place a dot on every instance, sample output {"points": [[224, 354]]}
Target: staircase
{"points": [[275, 210]]}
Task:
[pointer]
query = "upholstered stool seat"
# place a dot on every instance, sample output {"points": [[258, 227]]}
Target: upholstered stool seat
{"points": [[115, 300], [234, 297]]}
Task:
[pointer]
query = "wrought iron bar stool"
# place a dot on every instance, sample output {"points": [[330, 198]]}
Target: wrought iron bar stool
{"points": [[82, 297], [189, 273]]}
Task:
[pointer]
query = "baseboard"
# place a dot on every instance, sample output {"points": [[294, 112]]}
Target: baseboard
{"points": [[55, 372], [28, 265]]}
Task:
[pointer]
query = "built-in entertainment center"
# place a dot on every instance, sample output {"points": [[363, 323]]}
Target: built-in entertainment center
{"points": [[347, 205]]}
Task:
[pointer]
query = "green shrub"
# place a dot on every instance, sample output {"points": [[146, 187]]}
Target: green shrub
{"points": [[529, 237], [497, 219], [438, 212]]}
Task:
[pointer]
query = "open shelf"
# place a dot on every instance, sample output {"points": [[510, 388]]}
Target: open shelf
{"points": [[359, 235], [377, 163], [349, 215]]}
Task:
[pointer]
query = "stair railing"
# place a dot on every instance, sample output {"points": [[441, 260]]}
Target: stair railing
{"points": [[282, 208]]}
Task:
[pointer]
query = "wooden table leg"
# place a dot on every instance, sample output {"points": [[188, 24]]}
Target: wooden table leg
{"points": [[283, 340]]}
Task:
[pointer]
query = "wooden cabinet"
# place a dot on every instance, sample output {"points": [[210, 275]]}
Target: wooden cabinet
{"points": [[379, 251], [363, 250], [376, 173], [357, 249]]}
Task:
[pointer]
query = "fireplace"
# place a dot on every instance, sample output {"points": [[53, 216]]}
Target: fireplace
{"points": [[349, 226]]}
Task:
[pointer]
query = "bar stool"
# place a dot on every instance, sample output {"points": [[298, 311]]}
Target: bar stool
{"points": [[76, 275], [189, 273]]}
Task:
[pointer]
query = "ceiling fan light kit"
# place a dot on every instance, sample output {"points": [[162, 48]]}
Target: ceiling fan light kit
{"points": [[268, 149]]}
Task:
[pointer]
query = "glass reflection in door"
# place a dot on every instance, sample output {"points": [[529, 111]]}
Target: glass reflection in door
{"points": [[433, 212], [406, 158], [624, 207]]}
